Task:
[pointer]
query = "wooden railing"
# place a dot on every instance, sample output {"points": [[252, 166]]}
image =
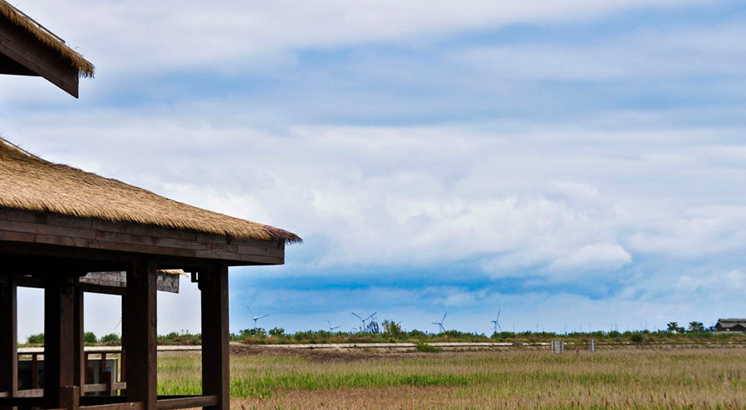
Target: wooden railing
{"points": [[73, 402], [75, 398]]}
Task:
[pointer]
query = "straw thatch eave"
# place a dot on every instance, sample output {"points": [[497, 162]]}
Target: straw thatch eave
{"points": [[30, 183], [13, 16]]}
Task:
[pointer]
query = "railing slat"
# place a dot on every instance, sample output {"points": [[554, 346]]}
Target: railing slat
{"points": [[116, 406], [186, 402]]}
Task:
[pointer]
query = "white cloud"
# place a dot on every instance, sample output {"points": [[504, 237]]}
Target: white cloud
{"points": [[422, 196], [597, 256], [139, 35], [662, 54]]}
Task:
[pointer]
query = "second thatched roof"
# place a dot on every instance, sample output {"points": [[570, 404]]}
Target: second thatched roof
{"points": [[14, 16], [30, 183]]}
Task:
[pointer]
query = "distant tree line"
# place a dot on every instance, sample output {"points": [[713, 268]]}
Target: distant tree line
{"points": [[392, 332]]}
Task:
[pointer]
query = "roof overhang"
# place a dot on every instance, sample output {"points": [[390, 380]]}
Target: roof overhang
{"points": [[26, 48], [26, 232]]}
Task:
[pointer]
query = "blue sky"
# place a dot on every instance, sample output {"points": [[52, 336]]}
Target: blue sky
{"points": [[573, 163]]}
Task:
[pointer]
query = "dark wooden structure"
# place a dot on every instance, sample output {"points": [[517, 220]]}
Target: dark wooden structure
{"points": [[58, 250], [731, 325], [58, 224], [28, 48]]}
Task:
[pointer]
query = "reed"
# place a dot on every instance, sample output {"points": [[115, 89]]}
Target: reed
{"points": [[615, 379]]}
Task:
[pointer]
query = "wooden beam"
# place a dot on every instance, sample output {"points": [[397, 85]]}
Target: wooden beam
{"points": [[99, 388], [83, 233], [213, 285], [139, 325], [103, 290], [9, 336], [116, 406], [166, 283], [8, 66], [26, 50], [30, 393], [187, 402], [59, 337]]}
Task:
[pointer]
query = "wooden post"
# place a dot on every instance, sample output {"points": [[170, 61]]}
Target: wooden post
{"points": [[9, 336], [139, 325], [59, 337], [70, 398], [108, 379], [123, 355], [80, 361], [215, 343], [102, 369], [34, 371]]}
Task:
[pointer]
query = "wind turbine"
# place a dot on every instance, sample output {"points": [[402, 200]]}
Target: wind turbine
{"points": [[497, 322], [332, 329], [119, 323], [442, 329], [363, 320], [255, 318]]}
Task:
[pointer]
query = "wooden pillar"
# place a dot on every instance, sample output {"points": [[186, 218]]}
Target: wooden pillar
{"points": [[215, 342], [59, 338], [139, 325], [123, 355], [80, 362], [9, 336]]}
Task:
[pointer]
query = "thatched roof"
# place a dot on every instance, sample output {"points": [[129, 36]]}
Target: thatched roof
{"points": [[30, 183], [14, 16]]}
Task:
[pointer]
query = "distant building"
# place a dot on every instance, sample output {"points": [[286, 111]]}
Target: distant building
{"points": [[731, 325]]}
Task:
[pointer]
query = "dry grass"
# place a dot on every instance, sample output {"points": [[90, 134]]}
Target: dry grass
{"points": [[621, 379]]}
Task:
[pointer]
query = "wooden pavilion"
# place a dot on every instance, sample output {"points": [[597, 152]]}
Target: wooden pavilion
{"points": [[58, 224]]}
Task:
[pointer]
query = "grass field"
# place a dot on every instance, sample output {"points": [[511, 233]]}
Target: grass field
{"points": [[615, 379]]}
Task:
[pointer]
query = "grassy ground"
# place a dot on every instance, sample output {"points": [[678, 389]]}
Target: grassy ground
{"points": [[621, 379]]}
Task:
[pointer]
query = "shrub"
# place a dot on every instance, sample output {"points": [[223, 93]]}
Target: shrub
{"points": [[90, 338], [111, 339], [417, 334], [183, 338], [277, 332], [255, 332], [391, 328], [36, 339], [637, 337], [426, 348]]}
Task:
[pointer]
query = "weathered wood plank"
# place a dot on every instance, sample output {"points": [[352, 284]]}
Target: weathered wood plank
{"points": [[116, 406], [187, 402], [30, 393]]}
